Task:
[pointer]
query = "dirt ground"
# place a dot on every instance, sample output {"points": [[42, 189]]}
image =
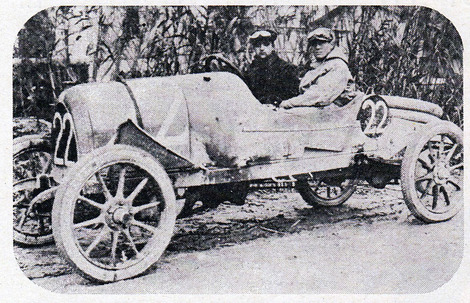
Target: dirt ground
{"points": [[276, 243]]}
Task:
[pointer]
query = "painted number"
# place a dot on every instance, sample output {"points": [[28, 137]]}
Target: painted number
{"points": [[374, 123], [65, 148]]}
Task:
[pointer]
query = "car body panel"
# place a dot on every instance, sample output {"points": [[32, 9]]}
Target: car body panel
{"points": [[210, 123]]}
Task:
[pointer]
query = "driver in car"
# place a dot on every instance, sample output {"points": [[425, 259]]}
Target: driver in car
{"points": [[270, 78], [329, 80]]}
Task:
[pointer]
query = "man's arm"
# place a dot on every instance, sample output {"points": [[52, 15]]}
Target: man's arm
{"points": [[325, 89]]}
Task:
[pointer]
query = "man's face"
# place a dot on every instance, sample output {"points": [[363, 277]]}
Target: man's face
{"points": [[320, 48], [263, 48]]}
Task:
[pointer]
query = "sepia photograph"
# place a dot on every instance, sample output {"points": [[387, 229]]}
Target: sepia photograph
{"points": [[238, 149]]}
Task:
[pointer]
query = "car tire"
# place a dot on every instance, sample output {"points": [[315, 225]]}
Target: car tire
{"points": [[315, 194], [114, 214], [32, 201], [432, 173]]}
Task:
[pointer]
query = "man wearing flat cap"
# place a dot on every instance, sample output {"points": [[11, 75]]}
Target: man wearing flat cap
{"points": [[330, 80], [270, 78]]}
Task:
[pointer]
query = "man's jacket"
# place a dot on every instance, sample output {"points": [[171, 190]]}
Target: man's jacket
{"points": [[324, 84], [272, 79]]}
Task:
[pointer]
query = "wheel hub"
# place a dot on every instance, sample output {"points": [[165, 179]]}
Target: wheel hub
{"points": [[118, 216], [121, 216], [441, 173]]}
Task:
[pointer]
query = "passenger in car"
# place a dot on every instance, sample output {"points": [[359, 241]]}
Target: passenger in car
{"points": [[270, 78], [329, 80]]}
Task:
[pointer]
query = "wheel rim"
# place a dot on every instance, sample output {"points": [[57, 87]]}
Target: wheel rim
{"points": [[438, 174], [116, 216], [32, 211]]}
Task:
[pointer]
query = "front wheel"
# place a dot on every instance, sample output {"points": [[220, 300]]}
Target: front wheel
{"points": [[432, 173], [114, 214]]}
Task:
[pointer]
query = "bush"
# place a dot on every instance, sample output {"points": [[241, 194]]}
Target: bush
{"points": [[36, 86]]}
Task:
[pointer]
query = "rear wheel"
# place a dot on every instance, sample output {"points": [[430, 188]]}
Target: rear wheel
{"points": [[114, 215], [32, 193], [432, 173], [326, 191]]}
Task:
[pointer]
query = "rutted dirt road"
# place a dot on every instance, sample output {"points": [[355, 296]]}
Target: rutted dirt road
{"points": [[276, 243]]}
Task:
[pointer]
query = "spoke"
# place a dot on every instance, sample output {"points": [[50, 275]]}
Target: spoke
{"points": [[144, 226], [451, 152], [145, 206], [115, 236], [91, 202], [427, 176], [430, 152], [445, 192], [137, 190], [23, 218], [426, 164], [97, 240], [452, 168], [120, 188], [103, 185], [317, 186], [131, 241], [455, 182], [22, 163], [41, 225], [335, 191], [26, 215], [430, 183], [441, 147], [435, 196], [96, 220]]}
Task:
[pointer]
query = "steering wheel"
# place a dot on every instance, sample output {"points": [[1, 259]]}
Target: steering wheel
{"points": [[217, 62]]}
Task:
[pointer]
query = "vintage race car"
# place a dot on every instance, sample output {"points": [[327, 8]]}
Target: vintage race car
{"points": [[124, 152]]}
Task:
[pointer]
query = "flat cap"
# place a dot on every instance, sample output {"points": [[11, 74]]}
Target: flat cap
{"points": [[322, 34], [268, 34]]}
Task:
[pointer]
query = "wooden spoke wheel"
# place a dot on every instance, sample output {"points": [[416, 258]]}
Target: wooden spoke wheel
{"points": [[114, 215], [326, 192], [432, 173], [32, 193]]}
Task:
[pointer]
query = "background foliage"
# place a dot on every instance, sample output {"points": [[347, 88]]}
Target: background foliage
{"points": [[406, 51]]}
